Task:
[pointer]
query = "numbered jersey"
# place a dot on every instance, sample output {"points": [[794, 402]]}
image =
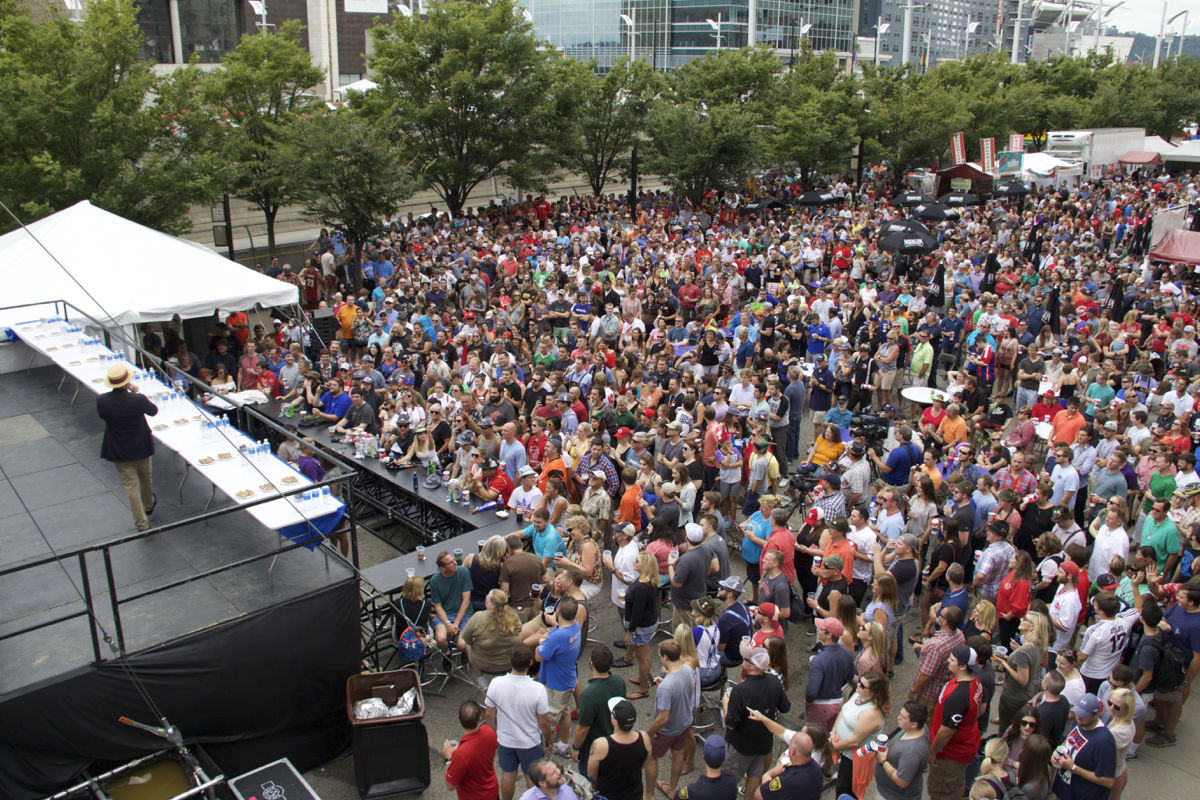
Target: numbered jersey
{"points": [[1104, 644]]}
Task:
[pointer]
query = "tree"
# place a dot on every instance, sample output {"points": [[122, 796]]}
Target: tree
{"points": [[818, 116], [697, 150], [348, 173], [747, 78], [258, 93], [912, 118], [604, 117], [470, 93], [84, 119]]}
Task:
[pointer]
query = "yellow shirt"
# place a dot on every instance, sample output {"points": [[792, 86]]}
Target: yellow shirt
{"points": [[827, 452], [953, 431]]}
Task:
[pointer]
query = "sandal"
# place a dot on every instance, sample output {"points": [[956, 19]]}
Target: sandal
{"points": [[637, 696], [621, 663]]}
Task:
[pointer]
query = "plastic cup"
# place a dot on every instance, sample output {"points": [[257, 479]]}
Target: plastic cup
{"points": [[481, 543], [536, 588], [458, 555], [420, 553], [674, 554], [608, 553], [410, 572]]}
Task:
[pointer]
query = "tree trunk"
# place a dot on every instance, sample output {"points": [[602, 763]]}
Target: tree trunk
{"points": [[270, 212]]}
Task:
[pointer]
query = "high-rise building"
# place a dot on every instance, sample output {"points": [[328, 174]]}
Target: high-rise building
{"points": [[942, 30], [669, 33]]}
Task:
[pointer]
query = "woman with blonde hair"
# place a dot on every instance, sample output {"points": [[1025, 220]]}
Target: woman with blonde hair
{"points": [[992, 771], [1123, 705], [874, 651], [641, 620], [484, 569], [859, 721], [490, 634], [982, 622], [1021, 666], [882, 609], [706, 637], [688, 655], [583, 554]]}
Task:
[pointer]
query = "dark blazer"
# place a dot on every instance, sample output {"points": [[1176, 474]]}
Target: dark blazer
{"points": [[127, 434]]}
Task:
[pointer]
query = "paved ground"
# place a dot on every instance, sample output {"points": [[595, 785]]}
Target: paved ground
{"points": [[1166, 772]]}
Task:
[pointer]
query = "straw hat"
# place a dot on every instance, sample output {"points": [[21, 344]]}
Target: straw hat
{"points": [[118, 375]]}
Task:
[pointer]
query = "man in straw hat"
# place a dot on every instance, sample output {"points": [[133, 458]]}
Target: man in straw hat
{"points": [[127, 439]]}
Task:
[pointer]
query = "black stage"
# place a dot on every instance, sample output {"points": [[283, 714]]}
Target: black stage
{"points": [[51, 472]]}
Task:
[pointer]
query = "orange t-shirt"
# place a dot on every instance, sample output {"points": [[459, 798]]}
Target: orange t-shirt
{"points": [[629, 512], [1066, 427], [845, 549]]}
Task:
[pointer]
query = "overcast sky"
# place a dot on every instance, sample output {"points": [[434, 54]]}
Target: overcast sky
{"points": [[1145, 16]]}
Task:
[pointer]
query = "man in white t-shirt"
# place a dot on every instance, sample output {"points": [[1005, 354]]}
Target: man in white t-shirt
{"points": [[518, 709], [865, 542], [1064, 610], [1103, 644], [527, 496]]}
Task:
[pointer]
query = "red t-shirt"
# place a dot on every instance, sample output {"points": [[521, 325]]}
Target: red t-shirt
{"points": [[503, 484], [312, 284], [784, 541], [958, 707], [1013, 597], [471, 766]]}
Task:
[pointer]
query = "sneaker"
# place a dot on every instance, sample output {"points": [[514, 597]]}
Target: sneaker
{"points": [[1131, 756], [1153, 725], [482, 683], [1161, 740], [811, 631], [562, 749]]}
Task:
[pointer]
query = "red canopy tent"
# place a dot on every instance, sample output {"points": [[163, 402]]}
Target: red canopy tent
{"points": [[1141, 157], [964, 170], [1180, 247]]}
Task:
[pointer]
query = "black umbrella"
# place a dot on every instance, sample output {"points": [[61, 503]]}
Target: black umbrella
{"points": [[935, 212], [1116, 300], [910, 199], [1052, 316], [902, 224], [992, 266], [936, 296], [908, 243], [1010, 189], [762, 204], [959, 199], [815, 199]]}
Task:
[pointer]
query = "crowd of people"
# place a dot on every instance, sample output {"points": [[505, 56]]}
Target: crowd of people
{"points": [[631, 380]]}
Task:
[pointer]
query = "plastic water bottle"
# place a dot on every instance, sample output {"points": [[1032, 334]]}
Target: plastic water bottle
{"points": [[326, 498], [873, 511], [415, 483]]}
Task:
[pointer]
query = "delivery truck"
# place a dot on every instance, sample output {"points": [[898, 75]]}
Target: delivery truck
{"points": [[1096, 148]]}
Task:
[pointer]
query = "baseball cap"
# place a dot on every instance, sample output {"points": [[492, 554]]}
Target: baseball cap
{"points": [[834, 562], [834, 481], [695, 534], [1071, 568], [526, 471], [1106, 581], [832, 626], [843, 399], [623, 712], [714, 749], [1087, 705], [669, 488], [769, 610], [966, 655], [733, 583], [759, 657], [564, 398], [889, 407], [815, 516], [674, 426], [624, 433], [841, 523], [489, 463], [821, 357], [1110, 426]]}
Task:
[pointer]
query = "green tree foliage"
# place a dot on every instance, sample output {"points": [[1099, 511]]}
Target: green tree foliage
{"points": [[257, 95], [470, 94], [819, 114], [605, 114], [912, 117], [84, 119], [697, 149], [748, 78], [348, 173]]}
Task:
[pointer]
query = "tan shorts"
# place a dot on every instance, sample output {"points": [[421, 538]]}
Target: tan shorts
{"points": [[921, 382], [946, 779], [1169, 697], [886, 379], [681, 617], [818, 417], [559, 701]]}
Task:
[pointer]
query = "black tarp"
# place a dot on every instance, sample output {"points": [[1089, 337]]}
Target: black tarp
{"points": [[252, 690]]}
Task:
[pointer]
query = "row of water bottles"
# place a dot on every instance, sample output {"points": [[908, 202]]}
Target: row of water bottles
{"points": [[91, 345], [314, 501], [214, 428], [259, 451]]}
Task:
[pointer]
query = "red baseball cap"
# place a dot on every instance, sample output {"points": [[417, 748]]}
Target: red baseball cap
{"points": [[769, 611], [624, 433]]}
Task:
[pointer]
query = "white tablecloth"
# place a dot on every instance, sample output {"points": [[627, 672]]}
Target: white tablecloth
{"points": [[923, 395], [184, 430]]}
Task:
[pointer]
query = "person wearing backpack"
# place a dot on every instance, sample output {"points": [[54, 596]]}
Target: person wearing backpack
{"points": [[1184, 619], [1158, 666]]}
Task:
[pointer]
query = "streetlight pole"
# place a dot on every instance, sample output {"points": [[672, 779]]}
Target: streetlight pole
{"points": [[716, 26], [971, 28], [881, 28], [629, 20], [1017, 31], [906, 45], [1158, 42]]}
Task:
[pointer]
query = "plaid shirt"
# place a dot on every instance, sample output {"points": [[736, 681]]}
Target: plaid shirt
{"points": [[612, 481], [834, 505], [994, 564], [934, 657], [1024, 484]]}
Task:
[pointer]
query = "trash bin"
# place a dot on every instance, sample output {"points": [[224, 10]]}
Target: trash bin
{"points": [[391, 754]]}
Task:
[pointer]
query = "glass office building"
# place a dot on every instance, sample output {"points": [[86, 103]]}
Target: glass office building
{"points": [[939, 31], [208, 28], [669, 33]]}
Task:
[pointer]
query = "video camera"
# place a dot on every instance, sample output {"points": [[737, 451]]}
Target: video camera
{"points": [[871, 427]]}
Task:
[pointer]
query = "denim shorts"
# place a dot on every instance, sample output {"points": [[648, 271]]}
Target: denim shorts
{"points": [[435, 621], [511, 758], [643, 636]]}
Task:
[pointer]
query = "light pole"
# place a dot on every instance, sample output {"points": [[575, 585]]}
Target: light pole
{"points": [[1101, 15], [1182, 36], [906, 45], [1162, 28], [880, 29], [971, 28], [925, 37], [628, 20], [716, 26]]}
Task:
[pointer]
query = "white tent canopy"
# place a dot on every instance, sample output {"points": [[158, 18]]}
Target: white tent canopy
{"points": [[1044, 164], [131, 273], [365, 85], [1157, 144], [1188, 151]]}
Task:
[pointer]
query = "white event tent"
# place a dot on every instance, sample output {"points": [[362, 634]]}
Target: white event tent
{"points": [[131, 274]]}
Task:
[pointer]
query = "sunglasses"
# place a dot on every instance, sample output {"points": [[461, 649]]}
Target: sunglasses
{"points": [[1028, 723]]}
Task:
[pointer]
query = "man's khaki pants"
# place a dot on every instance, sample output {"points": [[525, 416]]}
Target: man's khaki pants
{"points": [[139, 486]]}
